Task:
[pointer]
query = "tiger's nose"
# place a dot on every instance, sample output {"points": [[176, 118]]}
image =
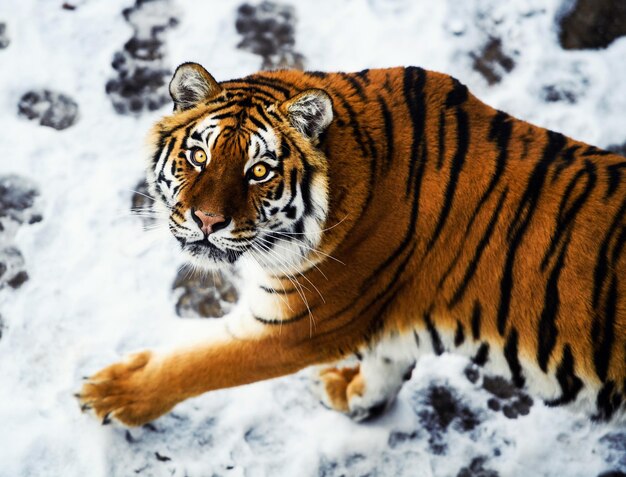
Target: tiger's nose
{"points": [[208, 222]]}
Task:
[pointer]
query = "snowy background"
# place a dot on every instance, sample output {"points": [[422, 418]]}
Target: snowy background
{"points": [[82, 283]]}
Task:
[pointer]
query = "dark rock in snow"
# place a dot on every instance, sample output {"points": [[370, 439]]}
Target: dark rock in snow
{"points": [[209, 295], [2, 326], [592, 24], [443, 408], [492, 62], [4, 37], [143, 78], [477, 469], [268, 31], [12, 271], [52, 109], [17, 201], [612, 473]]}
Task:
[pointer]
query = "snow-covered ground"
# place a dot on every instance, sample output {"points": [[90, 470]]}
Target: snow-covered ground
{"points": [[100, 286]]}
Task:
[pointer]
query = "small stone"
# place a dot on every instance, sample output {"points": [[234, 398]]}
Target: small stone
{"points": [[52, 109]]}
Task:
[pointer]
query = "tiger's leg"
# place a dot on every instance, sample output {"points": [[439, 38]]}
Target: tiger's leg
{"points": [[366, 390], [237, 350]]}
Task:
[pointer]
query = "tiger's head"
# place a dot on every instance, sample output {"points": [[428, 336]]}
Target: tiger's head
{"points": [[238, 173]]}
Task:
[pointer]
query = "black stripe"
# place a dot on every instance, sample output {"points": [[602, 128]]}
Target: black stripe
{"points": [[476, 318], [500, 132], [480, 248], [416, 104], [547, 330], [567, 215], [569, 382], [389, 140], [455, 170], [615, 178], [565, 161], [482, 355], [434, 335], [261, 112], [602, 267], [364, 141], [408, 235], [458, 95], [257, 123], [442, 138], [608, 401], [459, 335], [521, 220], [512, 359], [289, 209], [370, 304], [356, 85], [286, 291], [305, 187], [292, 319], [271, 83], [594, 151], [603, 334]]}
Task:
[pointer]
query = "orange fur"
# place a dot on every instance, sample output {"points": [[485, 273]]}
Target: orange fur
{"points": [[442, 212]]}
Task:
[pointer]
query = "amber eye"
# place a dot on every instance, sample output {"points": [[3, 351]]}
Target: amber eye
{"points": [[260, 171], [198, 156]]}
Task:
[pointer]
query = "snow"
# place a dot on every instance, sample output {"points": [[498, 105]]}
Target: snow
{"points": [[100, 286]]}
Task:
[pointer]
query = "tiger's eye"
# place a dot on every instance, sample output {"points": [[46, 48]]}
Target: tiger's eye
{"points": [[198, 156], [259, 171]]}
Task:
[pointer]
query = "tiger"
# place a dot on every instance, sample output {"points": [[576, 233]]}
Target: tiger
{"points": [[382, 215]]}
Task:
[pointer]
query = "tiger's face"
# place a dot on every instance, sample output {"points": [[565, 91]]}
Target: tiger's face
{"points": [[238, 175]]}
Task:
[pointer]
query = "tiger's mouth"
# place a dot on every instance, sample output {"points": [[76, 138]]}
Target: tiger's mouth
{"points": [[204, 249]]}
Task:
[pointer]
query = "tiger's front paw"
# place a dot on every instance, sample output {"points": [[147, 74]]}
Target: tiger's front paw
{"points": [[131, 391]]}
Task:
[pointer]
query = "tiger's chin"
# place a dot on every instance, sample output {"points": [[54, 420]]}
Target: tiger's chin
{"points": [[203, 254]]}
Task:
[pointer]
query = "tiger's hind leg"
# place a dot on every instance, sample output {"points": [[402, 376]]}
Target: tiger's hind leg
{"points": [[366, 390]]}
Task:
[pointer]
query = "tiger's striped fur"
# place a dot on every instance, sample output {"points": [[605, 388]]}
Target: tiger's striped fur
{"points": [[420, 219]]}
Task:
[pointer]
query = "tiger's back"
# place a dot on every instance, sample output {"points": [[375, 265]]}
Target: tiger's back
{"points": [[486, 234]]}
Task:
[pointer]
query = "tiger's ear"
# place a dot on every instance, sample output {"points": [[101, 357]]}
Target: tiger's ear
{"points": [[190, 85], [310, 112]]}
